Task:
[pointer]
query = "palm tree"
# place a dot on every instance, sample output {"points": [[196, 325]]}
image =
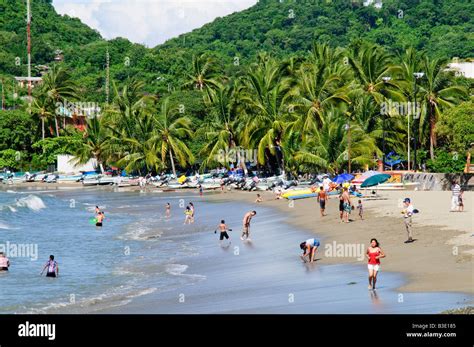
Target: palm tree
{"points": [[265, 97], [41, 108], [203, 71], [321, 84], [171, 129], [220, 129], [95, 143], [437, 91], [327, 147], [370, 64], [57, 87]]}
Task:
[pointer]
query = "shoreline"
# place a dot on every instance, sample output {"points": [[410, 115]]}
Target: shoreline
{"points": [[428, 264], [440, 259]]}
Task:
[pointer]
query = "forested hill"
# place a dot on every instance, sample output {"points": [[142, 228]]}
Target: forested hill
{"points": [[49, 32], [442, 28], [280, 27]]}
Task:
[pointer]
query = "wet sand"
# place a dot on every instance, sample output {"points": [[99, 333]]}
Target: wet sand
{"points": [[440, 259]]}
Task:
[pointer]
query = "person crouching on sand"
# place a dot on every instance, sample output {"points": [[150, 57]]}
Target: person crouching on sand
{"points": [[374, 253], [258, 199], [309, 248]]}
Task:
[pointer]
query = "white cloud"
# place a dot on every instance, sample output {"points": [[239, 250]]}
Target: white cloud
{"points": [[148, 21]]}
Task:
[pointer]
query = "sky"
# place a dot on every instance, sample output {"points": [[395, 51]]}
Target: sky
{"points": [[149, 22]]}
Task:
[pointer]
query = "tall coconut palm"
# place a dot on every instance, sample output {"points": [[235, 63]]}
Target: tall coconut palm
{"points": [[265, 98], [41, 109], [369, 64], [437, 91], [95, 143], [58, 88], [171, 130], [203, 73], [328, 147], [220, 128], [321, 84]]}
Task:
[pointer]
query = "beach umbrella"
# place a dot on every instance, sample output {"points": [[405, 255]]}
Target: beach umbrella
{"points": [[375, 180], [342, 178], [362, 177]]}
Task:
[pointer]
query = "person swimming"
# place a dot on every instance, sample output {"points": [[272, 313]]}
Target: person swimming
{"points": [[52, 267], [309, 247]]}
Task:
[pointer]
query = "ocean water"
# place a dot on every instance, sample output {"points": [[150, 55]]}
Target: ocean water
{"points": [[142, 262]]}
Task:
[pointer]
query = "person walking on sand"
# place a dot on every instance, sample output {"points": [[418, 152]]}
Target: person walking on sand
{"points": [[455, 192], [322, 198], [341, 207], [309, 248], [246, 225], [223, 232], [168, 210], [346, 204], [407, 213], [52, 267], [361, 209], [374, 253], [4, 262]]}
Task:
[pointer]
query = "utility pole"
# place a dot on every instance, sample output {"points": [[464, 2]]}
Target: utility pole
{"points": [[107, 76], [28, 37]]}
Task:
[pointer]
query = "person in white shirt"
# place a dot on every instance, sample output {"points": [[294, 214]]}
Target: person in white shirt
{"points": [[407, 213], [456, 192]]}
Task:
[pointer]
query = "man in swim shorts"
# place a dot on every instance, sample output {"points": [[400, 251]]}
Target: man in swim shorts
{"points": [[309, 247], [246, 224], [223, 232], [100, 218], [322, 198]]}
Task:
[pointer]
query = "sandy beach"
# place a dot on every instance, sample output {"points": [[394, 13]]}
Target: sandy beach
{"points": [[440, 259], [434, 273]]}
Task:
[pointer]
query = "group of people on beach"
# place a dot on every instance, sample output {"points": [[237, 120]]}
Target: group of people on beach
{"points": [[223, 228]]}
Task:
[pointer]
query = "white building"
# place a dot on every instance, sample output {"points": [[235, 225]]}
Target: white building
{"points": [[465, 69]]}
